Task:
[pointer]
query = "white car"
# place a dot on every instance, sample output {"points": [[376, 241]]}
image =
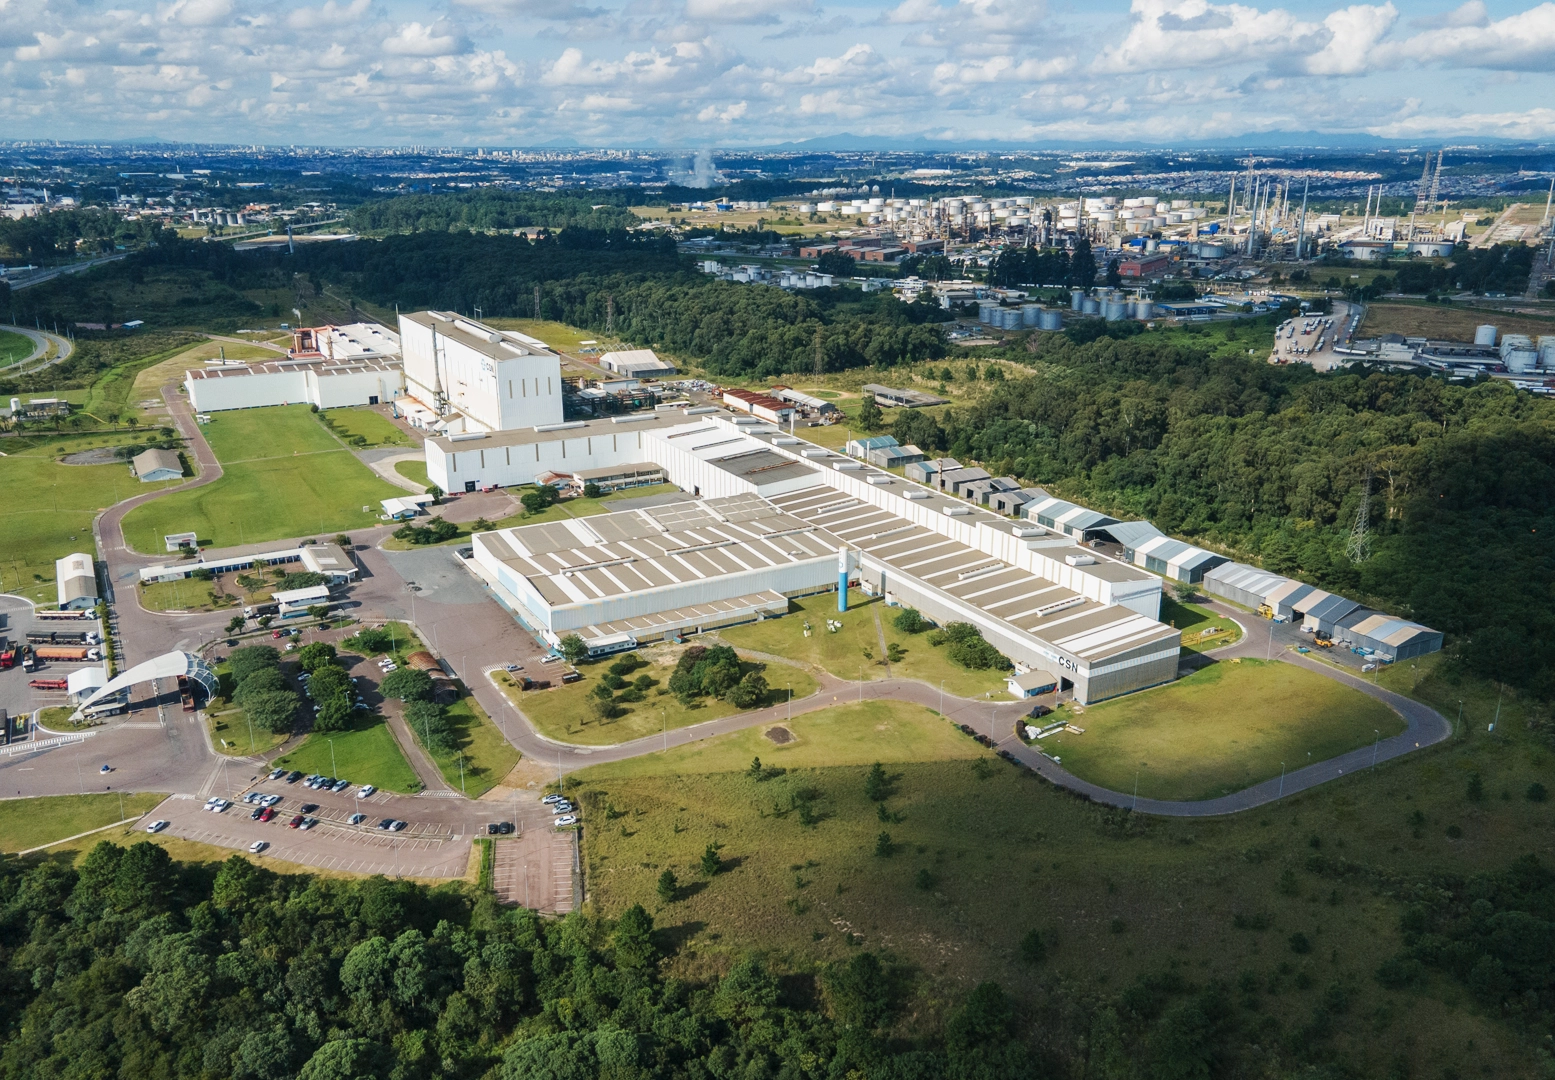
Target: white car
{"points": [[219, 806], [257, 846], [156, 826], [566, 819], [366, 791], [562, 808], [553, 798]]}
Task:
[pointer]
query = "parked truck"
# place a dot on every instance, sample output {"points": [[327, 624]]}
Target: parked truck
{"points": [[62, 637], [9, 654], [69, 615], [66, 652], [49, 684], [256, 610]]}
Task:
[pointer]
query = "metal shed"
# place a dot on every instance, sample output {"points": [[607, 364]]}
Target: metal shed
{"points": [[1068, 518], [1242, 584], [1321, 611], [1394, 639], [1283, 600]]}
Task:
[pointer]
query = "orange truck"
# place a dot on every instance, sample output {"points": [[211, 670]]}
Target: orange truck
{"points": [[65, 652]]}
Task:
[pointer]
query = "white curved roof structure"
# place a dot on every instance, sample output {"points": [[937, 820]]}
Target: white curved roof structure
{"points": [[167, 666]]}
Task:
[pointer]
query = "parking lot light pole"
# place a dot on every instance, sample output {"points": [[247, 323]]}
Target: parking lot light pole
{"points": [[1374, 747], [332, 770]]}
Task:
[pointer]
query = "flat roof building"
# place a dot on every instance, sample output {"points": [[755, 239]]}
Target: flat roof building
{"points": [[473, 378], [75, 581], [353, 341], [636, 363], [892, 397], [153, 465], [367, 379], [326, 559]]}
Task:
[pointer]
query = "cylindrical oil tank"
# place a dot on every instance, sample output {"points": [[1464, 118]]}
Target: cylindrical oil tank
{"points": [[1050, 320], [1031, 314], [1485, 334], [1076, 300], [1113, 310], [1090, 306], [1144, 309]]}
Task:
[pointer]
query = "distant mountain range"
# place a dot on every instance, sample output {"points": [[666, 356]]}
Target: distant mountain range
{"points": [[1289, 140]]}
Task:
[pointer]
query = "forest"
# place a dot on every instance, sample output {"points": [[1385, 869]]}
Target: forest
{"points": [[1268, 464], [490, 209], [130, 965], [632, 284]]}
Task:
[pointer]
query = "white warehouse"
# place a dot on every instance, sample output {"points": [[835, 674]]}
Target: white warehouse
{"points": [[477, 460], [473, 378]]}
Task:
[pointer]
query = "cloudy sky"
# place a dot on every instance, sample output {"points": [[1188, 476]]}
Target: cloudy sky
{"points": [[759, 72]]}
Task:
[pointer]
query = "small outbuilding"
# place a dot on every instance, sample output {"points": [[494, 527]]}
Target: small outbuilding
{"points": [[75, 579], [153, 465], [1027, 684]]}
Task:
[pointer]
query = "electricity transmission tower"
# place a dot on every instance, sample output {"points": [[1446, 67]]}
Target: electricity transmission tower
{"points": [[1358, 548]]}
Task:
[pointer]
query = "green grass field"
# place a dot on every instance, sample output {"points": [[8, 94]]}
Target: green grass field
{"points": [[1202, 630], [231, 734], [563, 712], [487, 756], [30, 823], [414, 470], [14, 348], [50, 510], [983, 853], [842, 653], [283, 476], [370, 425], [367, 754], [1219, 730]]}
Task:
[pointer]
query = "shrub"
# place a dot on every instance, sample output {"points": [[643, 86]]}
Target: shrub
{"points": [[406, 684], [262, 681], [612, 680], [373, 639], [668, 886], [1300, 944], [1033, 949], [426, 719], [249, 659], [883, 845], [1536, 792], [711, 863], [749, 692], [273, 710], [317, 655], [1400, 971]]}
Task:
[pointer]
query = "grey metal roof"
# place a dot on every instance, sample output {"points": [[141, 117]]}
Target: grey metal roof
{"points": [[1131, 534], [1248, 579]]}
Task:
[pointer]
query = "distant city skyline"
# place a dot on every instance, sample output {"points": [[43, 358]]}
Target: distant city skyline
{"points": [[733, 73]]}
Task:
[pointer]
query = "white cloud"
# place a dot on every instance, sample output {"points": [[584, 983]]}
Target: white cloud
{"points": [[725, 114], [1353, 34], [331, 14], [440, 39], [1521, 42], [744, 11]]}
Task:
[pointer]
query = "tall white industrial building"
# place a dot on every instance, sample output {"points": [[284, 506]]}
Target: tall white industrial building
{"points": [[470, 377]]}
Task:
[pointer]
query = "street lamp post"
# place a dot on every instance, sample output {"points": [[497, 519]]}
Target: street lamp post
{"points": [[1374, 746], [332, 770], [1282, 781]]}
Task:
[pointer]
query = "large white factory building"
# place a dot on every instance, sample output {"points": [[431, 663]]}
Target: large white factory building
{"points": [[472, 378], [773, 518]]}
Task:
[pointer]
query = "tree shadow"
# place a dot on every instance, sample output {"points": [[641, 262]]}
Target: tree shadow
{"points": [[671, 939]]}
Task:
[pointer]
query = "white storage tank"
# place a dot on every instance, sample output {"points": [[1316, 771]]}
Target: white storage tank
{"points": [[1076, 299], [1113, 310], [1547, 350], [1144, 310], [1485, 334]]}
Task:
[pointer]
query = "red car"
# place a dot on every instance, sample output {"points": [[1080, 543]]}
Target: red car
{"points": [[296, 821], [269, 812]]}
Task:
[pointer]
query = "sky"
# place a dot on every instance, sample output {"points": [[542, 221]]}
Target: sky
{"points": [[732, 73]]}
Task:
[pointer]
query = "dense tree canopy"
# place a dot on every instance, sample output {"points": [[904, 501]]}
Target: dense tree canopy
{"points": [[1267, 463]]}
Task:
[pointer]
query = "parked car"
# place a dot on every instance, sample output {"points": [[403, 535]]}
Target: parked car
{"points": [[257, 846], [385, 823], [505, 827], [294, 822], [356, 819], [397, 826], [309, 822], [156, 826], [553, 798], [341, 785], [563, 807], [294, 776], [267, 813], [258, 813], [253, 796], [276, 774], [565, 820], [366, 791], [269, 800], [307, 808]]}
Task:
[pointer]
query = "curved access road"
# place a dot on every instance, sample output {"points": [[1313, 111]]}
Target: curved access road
{"points": [[41, 340]]}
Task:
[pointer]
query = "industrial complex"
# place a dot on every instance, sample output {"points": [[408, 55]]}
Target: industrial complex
{"points": [[1070, 595]]}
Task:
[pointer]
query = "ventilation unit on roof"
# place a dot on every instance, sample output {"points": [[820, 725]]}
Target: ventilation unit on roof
{"points": [[916, 493]]}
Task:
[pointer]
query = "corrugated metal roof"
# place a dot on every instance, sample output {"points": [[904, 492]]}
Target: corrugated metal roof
{"points": [[1133, 534], [1248, 579]]}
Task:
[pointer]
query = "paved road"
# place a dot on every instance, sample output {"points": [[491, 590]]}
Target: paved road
{"points": [[41, 340], [53, 272]]}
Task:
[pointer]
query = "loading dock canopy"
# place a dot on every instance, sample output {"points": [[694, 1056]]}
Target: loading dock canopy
{"points": [[167, 666]]}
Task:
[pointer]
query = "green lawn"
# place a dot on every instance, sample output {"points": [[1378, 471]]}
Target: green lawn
{"points": [[367, 754], [486, 756], [30, 823], [284, 476], [857, 734], [414, 469], [14, 348], [231, 733], [1219, 730], [1201, 628], [191, 595], [563, 712], [50, 507], [842, 653], [370, 425]]}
